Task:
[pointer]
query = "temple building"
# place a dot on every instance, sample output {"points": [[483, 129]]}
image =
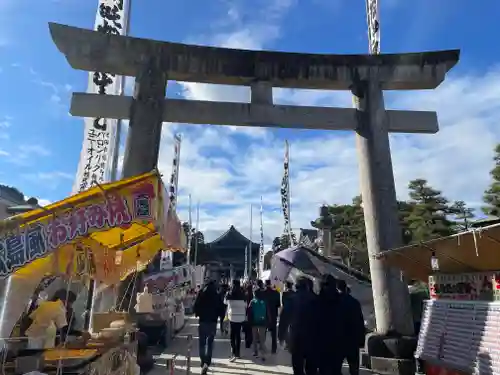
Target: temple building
{"points": [[225, 256]]}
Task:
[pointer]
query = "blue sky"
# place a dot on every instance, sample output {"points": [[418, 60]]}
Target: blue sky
{"points": [[226, 168]]}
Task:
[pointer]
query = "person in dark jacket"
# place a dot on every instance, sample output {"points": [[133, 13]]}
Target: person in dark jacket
{"points": [[273, 304], [356, 325], [331, 328], [207, 307], [286, 297], [299, 317], [247, 328], [223, 289]]}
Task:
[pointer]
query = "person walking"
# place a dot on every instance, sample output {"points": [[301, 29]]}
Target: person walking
{"points": [[332, 328], [355, 322], [286, 300], [273, 304], [207, 308], [236, 314], [258, 319], [223, 288], [299, 318], [247, 328]]}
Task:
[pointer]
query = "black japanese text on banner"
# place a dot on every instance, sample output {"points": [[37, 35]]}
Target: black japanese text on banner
{"points": [[96, 157]]}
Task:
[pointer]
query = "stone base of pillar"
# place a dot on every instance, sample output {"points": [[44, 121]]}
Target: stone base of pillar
{"points": [[391, 346], [392, 366], [390, 354]]}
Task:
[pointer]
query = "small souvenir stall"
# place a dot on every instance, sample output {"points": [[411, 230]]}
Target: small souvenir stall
{"points": [[102, 234], [170, 290], [460, 327]]}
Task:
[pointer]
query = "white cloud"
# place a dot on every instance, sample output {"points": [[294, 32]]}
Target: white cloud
{"points": [[44, 202], [323, 164]]}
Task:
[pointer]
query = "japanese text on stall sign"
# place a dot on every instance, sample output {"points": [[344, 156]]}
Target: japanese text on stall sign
{"points": [[37, 240]]}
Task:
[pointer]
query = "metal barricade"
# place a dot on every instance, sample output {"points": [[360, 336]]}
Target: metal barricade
{"points": [[188, 354]]}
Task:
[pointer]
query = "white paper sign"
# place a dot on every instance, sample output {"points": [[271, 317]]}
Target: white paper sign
{"points": [[98, 150]]}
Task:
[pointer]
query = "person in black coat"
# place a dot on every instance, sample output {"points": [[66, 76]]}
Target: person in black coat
{"points": [[331, 328], [298, 318], [355, 322], [273, 303], [207, 307], [247, 328]]}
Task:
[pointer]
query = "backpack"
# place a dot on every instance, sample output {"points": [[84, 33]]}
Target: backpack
{"points": [[259, 311]]}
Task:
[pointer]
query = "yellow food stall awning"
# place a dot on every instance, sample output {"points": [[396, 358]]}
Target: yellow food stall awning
{"points": [[475, 250], [105, 232]]}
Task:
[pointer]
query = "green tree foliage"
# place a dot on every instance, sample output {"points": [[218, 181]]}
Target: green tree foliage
{"points": [[428, 211], [281, 243], [422, 218], [462, 215], [492, 195]]}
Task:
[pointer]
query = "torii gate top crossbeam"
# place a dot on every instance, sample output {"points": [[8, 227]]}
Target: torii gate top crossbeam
{"points": [[93, 51]]}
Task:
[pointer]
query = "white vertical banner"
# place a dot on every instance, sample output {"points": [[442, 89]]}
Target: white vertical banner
{"points": [[174, 178], [99, 137], [285, 196], [372, 16], [173, 190], [261, 250]]}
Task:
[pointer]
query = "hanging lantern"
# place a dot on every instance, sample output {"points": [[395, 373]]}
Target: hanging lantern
{"points": [[434, 262]]}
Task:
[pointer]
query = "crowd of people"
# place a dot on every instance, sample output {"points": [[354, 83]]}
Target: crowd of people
{"points": [[320, 330]]}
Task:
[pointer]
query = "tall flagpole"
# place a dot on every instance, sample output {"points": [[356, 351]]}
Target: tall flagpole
{"points": [[292, 237], [250, 243], [261, 250], [190, 233], [245, 270], [196, 231]]}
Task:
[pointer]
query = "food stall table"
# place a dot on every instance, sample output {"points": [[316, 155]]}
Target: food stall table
{"points": [[459, 333]]}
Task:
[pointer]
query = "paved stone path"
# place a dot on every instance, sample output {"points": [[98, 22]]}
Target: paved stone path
{"points": [[276, 364]]}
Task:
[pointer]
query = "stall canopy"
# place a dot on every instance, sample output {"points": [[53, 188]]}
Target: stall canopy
{"points": [[104, 233], [471, 251]]}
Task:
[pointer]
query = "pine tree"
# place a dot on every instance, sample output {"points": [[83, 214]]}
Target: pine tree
{"points": [[427, 219], [492, 196], [462, 215]]}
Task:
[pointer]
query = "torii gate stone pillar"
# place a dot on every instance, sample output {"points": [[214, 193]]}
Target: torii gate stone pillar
{"points": [[365, 75]]}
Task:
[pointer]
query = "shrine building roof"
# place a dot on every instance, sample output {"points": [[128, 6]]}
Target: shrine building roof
{"points": [[231, 238]]}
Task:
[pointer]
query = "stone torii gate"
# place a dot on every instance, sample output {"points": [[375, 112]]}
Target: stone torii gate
{"points": [[152, 63]]}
